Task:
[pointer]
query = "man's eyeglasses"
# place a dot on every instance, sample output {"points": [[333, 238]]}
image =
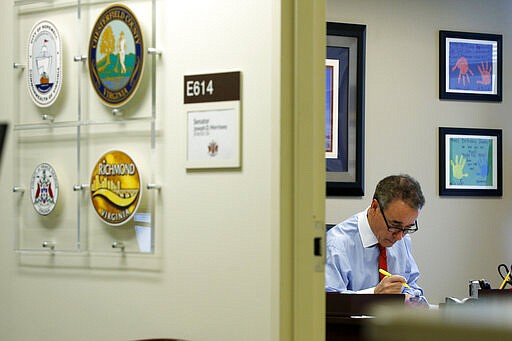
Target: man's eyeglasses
{"points": [[395, 229]]}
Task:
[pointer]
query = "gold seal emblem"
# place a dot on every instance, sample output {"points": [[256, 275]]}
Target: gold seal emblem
{"points": [[116, 55], [115, 187]]}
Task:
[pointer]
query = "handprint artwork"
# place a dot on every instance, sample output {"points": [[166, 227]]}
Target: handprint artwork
{"points": [[464, 71], [485, 73], [470, 66], [483, 166], [471, 161], [458, 167]]}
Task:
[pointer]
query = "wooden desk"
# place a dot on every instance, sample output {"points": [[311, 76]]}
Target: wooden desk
{"points": [[490, 294], [345, 328], [345, 314]]}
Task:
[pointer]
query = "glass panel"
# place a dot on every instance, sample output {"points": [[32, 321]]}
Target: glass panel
{"points": [[110, 230], [139, 105], [43, 70], [70, 135], [46, 203]]}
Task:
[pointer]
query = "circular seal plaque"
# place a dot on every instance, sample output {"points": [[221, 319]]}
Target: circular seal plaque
{"points": [[44, 189], [115, 187], [116, 55], [44, 77]]}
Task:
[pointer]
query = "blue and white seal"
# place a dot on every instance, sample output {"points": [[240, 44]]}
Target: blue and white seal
{"points": [[44, 77], [44, 189]]}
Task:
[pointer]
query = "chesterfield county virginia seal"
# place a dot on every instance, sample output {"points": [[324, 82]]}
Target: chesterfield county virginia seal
{"points": [[115, 188], [44, 77], [44, 189], [116, 55]]}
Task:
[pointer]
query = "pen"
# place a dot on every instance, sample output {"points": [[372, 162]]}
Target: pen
{"points": [[507, 277], [385, 273]]}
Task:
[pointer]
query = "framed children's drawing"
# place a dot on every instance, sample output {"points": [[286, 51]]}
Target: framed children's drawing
{"points": [[470, 162], [470, 66]]}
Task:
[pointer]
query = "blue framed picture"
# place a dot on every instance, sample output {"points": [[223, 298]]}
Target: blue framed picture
{"points": [[344, 109], [332, 73], [470, 162], [470, 66]]}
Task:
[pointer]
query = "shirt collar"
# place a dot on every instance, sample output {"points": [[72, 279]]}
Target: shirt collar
{"points": [[367, 236]]}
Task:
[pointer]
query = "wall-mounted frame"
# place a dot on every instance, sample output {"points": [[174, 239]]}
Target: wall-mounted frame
{"points": [[470, 66], [470, 162], [344, 116]]}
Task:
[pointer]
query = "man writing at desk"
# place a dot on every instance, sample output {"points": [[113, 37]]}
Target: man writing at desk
{"points": [[353, 248]]}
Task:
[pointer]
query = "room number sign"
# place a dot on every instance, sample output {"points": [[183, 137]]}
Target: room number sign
{"points": [[199, 88], [214, 87], [213, 120]]}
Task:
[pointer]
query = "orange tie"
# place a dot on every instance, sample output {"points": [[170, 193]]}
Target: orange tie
{"points": [[383, 260]]}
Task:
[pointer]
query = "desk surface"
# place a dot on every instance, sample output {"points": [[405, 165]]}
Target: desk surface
{"points": [[345, 313], [337, 304], [484, 294]]}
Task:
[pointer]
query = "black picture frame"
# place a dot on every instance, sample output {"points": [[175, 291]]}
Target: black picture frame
{"points": [[470, 66], [478, 149], [346, 44], [4, 126]]}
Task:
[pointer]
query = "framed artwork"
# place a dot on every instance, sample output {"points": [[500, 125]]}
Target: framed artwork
{"points": [[470, 66], [470, 162], [3, 133], [344, 109]]}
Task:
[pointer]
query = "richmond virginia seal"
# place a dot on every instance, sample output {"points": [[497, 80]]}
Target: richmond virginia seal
{"points": [[115, 188], [44, 189], [44, 77], [116, 55]]}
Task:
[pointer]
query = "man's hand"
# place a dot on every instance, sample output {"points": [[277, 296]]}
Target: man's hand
{"points": [[390, 285]]}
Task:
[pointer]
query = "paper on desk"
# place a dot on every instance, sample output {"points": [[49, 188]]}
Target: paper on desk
{"points": [[362, 316]]}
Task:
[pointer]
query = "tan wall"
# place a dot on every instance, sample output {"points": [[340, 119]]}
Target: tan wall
{"points": [[459, 238], [215, 275]]}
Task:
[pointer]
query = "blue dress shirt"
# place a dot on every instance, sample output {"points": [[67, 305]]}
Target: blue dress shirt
{"points": [[352, 258]]}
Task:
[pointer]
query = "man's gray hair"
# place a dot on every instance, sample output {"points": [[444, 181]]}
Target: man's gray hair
{"points": [[399, 187]]}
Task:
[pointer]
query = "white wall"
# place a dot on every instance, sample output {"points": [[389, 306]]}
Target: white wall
{"points": [[217, 249], [459, 238]]}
